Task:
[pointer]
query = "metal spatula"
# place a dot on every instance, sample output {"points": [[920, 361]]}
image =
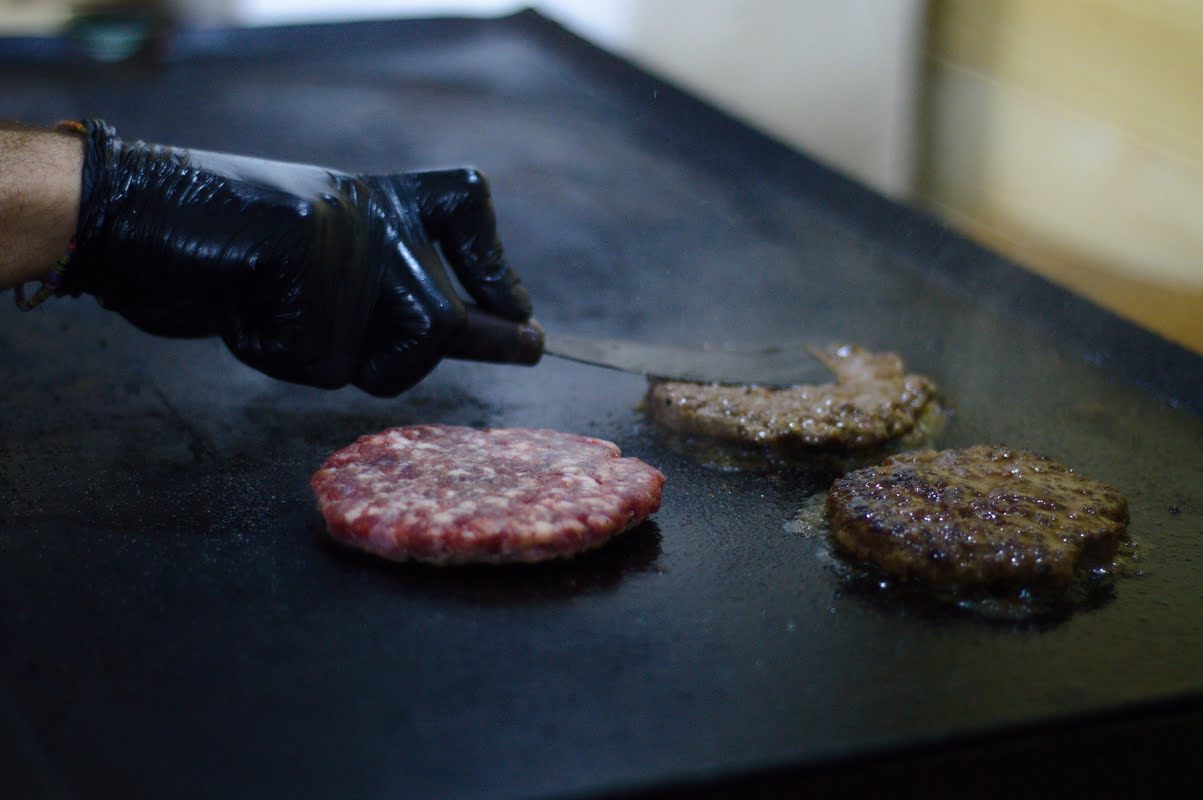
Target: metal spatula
{"points": [[490, 338]]}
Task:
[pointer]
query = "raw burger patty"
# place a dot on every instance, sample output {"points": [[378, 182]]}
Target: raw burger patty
{"points": [[448, 495], [871, 401], [986, 517]]}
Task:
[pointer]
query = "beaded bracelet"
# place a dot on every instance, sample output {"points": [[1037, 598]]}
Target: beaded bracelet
{"points": [[54, 278]]}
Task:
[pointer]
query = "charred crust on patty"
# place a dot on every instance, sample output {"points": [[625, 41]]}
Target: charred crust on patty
{"points": [[984, 517]]}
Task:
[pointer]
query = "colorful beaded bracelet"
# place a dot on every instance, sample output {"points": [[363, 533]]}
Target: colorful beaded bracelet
{"points": [[55, 277]]}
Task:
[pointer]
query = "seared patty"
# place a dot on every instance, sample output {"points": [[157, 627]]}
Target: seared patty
{"points": [[988, 516], [445, 494], [872, 401]]}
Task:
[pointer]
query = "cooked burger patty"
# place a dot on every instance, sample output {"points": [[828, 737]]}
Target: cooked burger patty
{"points": [[988, 516], [445, 494], [872, 401]]}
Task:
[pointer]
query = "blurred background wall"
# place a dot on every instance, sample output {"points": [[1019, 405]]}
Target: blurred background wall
{"points": [[1067, 134]]}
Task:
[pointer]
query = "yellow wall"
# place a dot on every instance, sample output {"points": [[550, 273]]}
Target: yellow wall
{"points": [[1069, 134]]}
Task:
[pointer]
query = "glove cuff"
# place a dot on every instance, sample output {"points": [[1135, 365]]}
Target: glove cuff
{"points": [[101, 149]]}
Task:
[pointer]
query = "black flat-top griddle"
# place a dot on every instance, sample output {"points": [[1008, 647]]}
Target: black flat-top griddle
{"points": [[174, 623]]}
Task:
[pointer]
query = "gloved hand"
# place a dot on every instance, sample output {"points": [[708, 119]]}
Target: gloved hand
{"points": [[309, 275]]}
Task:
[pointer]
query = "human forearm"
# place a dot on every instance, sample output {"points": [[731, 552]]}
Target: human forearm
{"points": [[39, 200]]}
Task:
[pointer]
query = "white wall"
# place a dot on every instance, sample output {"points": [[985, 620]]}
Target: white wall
{"points": [[838, 79]]}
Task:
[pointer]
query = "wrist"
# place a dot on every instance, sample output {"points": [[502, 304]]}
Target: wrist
{"points": [[39, 197]]}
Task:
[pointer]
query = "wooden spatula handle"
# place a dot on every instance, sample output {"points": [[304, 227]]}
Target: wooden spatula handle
{"points": [[487, 337]]}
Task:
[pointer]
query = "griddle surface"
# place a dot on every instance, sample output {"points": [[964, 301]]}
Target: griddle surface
{"points": [[176, 625]]}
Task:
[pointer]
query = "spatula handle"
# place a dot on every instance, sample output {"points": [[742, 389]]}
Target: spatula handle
{"points": [[487, 337]]}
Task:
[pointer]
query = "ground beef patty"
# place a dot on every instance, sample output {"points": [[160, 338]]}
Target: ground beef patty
{"points": [[445, 494], [988, 516], [872, 401]]}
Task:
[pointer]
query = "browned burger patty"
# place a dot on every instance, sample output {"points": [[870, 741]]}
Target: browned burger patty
{"points": [[988, 516], [445, 494], [872, 401]]}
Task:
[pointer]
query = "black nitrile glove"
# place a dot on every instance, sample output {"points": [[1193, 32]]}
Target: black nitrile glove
{"points": [[308, 275]]}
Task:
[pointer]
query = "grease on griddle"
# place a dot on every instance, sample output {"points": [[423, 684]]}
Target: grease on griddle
{"points": [[811, 517]]}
